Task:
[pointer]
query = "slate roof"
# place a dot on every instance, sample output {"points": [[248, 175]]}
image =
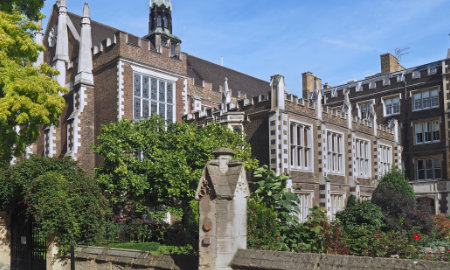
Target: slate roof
{"points": [[99, 31], [200, 69]]}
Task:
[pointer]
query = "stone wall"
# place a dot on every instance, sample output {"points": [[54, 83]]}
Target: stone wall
{"points": [[96, 258], [5, 240], [273, 260]]}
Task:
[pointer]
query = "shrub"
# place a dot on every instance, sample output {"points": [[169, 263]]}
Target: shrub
{"points": [[395, 196], [365, 214], [442, 224], [59, 196]]}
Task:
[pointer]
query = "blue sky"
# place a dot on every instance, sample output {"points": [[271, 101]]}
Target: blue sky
{"points": [[336, 40]]}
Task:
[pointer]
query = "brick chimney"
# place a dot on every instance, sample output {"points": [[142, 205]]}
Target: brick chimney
{"points": [[389, 63], [308, 83]]}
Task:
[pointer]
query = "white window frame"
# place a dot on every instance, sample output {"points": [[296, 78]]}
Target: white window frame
{"points": [[433, 168], [337, 203], [388, 101], [424, 127], [154, 104], [363, 158], [385, 154], [306, 198], [294, 162], [335, 158], [433, 96], [366, 104]]}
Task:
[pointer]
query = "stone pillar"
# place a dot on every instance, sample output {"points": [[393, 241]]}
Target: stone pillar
{"points": [[5, 239], [223, 192]]}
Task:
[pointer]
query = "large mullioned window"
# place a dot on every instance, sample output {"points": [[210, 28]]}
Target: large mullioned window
{"points": [[392, 106], [305, 203], [427, 132], [385, 159], [425, 100], [153, 96], [335, 153], [428, 169], [300, 144], [363, 168]]}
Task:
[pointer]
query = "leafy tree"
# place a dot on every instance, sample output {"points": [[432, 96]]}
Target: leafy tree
{"points": [[29, 98], [59, 196], [396, 198], [149, 164], [31, 8]]}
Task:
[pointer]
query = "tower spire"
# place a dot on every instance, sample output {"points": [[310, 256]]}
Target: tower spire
{"points": [[62, 44]]}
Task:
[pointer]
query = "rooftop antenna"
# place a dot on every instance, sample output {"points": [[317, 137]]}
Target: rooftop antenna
{"points": [[399, 53]]}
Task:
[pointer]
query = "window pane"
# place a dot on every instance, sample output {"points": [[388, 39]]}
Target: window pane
{"points": [[154, 89], [154, 108], [417, 101], [137, 85], [162, 110], [434, 98], [426, 99], [145, 109], [419, 135], [170, 113], [169, 92], [305, 136], [145, 87], [162, 91], [137, 108], [291, 132]]}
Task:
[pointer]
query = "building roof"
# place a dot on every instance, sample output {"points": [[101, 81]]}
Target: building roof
{"points": [[202, 70], [100, 31]]}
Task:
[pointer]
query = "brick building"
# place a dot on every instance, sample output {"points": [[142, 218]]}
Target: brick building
{"points": [[329, 153], [111, 75], [418, 98]]}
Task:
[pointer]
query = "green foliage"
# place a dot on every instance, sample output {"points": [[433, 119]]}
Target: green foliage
{"points": [[395, 196], [29, 97], [263, 232], [318, 235], [60, 197], [31, 8], [148, 164], [364, 214], [271, 193]]}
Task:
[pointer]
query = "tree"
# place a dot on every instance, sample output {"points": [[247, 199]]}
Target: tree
{"points": [[31, 8], [29, 97], [149, 164], [396, 198], [59, 196]]}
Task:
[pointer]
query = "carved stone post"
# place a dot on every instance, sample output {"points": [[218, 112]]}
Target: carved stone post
{"points": [[5, 239], [223, 192]]}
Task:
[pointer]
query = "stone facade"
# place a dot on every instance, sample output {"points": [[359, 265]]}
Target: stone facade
{"points": [[328, 153], [5, 240], [417, 98]]}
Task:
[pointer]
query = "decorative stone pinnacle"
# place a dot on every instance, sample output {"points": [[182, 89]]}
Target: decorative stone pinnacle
{"points": [[63, 3], [86, 10]]}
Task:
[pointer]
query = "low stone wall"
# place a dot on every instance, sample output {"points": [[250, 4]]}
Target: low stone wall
{"points": [[273, 260], [99, 258]]}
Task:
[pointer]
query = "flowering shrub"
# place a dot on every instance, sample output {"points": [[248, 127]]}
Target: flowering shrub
{"points": [[442, 224]]}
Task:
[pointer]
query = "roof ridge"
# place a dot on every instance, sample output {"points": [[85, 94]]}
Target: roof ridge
{"points": [[230, 69]]}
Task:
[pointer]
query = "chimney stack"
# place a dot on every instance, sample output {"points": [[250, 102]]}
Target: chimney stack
{"points": [[309, 81], [389, 64]]}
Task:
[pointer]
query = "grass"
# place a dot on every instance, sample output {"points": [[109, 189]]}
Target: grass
{"points": [[155, 248]]}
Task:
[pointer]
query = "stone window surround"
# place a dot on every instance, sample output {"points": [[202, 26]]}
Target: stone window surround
{"points": [[430, 89], [383, 101], [342, 171], [382, 162], [433, 158], [369, 159], [336, 196], [159, 76], [306, 194], [433, 120], [310, 146]]}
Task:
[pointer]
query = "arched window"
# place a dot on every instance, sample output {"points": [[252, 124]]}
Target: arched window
{"points": [[158, 21], [166, 22]]}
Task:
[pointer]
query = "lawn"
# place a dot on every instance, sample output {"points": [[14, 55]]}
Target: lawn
{"points": [[155, 248]]}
